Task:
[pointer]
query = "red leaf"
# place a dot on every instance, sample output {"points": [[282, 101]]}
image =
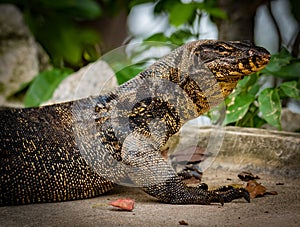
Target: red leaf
{"points": [[124, 204], [255, 189]]}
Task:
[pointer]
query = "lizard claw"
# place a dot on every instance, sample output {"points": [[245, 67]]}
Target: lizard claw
{"points": [[221, 200], [216, 198], [233, 193], [246, 195], [224, 194], [203, 186]]}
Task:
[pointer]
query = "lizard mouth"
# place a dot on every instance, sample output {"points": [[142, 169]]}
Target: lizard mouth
{"points": [[252, 65], [257, 63], [239, 68]]}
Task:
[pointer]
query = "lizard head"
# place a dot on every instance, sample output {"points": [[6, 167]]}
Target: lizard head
{"points": [[230, 61]]}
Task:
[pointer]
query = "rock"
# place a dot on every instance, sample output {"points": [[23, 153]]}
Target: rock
{"points": [[243, 149], [290, 121], [20, 55], [91, 80]]}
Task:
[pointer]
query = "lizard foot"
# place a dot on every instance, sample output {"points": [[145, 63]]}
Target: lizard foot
{"points": [[229, 193]]}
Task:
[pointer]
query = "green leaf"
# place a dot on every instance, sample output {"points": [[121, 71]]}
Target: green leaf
{"points": [[179, 37], [278, 60], [258, 122], [283, 65], [68, 42], [248, 81], [158, 37], [69, 45], [133, 3], [43, 86], [181, 13], [290, 89], [164, 5], [87, 9], [270, 106], [295, 6], [249, 84], [128, 72], [237, 107], [253, 90], [216, 12], [291, 71], [55, 26], [212, 7]]}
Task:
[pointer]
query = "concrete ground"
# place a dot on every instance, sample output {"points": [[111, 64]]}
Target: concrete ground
{"points": [[271, 210]]}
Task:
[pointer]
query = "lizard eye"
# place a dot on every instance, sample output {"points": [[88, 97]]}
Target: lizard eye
{"points": [[220, 48]]}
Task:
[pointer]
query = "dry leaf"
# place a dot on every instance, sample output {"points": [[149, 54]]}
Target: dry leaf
{"points": [[271, 193], [246, 176], [124, 204], [192, 154], [255, 189], [183, 222]]}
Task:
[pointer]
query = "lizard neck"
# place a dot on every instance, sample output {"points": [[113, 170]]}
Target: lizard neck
{"points": [[198, 88]]}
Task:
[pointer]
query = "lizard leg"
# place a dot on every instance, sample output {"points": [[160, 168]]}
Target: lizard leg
{"points": [[151, 172]]}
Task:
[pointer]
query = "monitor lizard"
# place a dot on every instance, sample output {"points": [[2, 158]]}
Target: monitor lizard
{"points": [[79, 149]]}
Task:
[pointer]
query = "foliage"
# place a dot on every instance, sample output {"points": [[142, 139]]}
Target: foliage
{"points": [[43, 86], [127, 72], [184, 17], [56, 26], [251, 106], [59, 26]]}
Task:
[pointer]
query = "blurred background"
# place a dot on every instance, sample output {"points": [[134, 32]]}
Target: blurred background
{"points": [[71, 34]]}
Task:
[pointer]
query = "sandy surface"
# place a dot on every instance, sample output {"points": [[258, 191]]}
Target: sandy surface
{"points": [[272, 210]]}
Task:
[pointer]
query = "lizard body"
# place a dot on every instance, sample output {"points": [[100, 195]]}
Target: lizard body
{"points": [[78, 149]]}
